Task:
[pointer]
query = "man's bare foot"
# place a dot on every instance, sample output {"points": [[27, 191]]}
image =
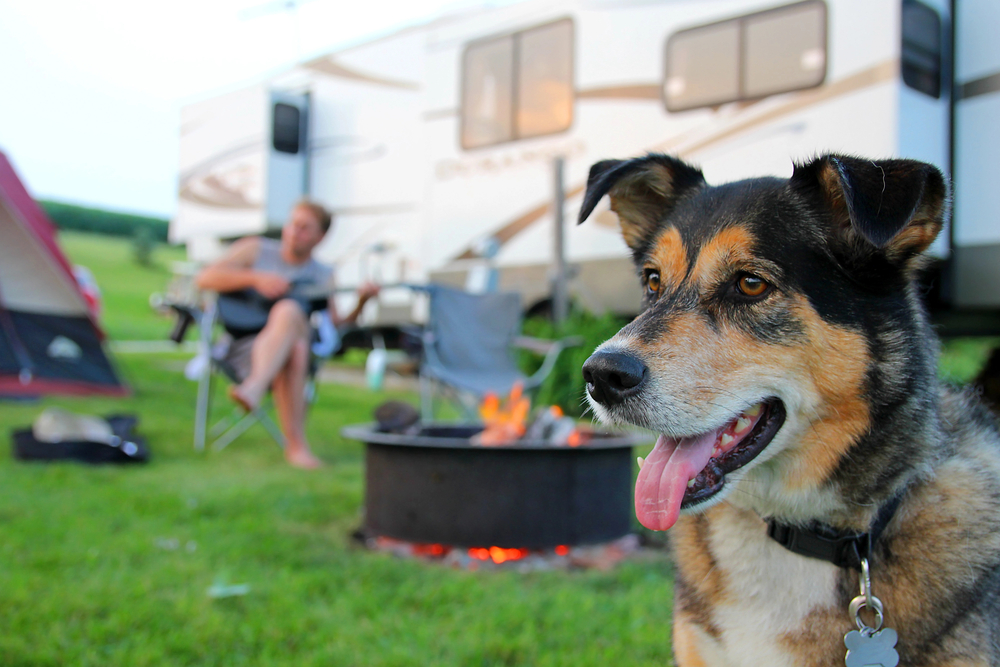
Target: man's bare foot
{"points": [[302, 458], [241, 399]]}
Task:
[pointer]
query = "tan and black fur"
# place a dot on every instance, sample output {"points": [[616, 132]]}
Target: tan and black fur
{"points": [[841, 339]]}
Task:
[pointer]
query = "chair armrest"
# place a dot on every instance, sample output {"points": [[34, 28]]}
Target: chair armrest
{"points": [[545, 345], [555, 348]]}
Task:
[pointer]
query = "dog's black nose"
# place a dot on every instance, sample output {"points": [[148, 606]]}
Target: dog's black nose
{"points": [[613, 376]]}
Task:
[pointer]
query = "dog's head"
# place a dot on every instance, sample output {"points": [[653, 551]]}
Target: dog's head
{"points": [[778, 326]]}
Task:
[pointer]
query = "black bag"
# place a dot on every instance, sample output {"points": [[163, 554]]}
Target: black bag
{"points": [[126, 447]]}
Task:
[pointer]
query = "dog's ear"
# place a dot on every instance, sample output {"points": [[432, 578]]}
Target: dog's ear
{"points": [[895, 207], [642, 190]]}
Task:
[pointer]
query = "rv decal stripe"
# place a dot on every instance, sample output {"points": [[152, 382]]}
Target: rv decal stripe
{"points": [[331, 68], [216, 194], [440, 114], [385, 209], [981, 86], [633, 92], [881, 73], [512, 229]]}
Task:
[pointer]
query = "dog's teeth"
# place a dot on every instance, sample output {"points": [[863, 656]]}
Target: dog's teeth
{"points": [[754, 411], [726, 439], [690, 483], [640, 461], [742, 423]]}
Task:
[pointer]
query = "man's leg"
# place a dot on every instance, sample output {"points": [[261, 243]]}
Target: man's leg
{"points": [[290, 403], [286, 324]]}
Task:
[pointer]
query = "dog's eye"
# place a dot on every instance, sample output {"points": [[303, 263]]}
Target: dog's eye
{"points": [[752, 286], [652, 281]]}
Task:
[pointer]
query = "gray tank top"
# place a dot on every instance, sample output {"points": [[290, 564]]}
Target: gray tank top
{"points": [[310, 275]]}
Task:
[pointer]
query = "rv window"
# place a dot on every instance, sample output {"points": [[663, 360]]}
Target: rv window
{"points": [[703, 66], [487, 114], [518, 86], [749, 57], [545, 80], [785, 50], [921, 48], [286, 127]]}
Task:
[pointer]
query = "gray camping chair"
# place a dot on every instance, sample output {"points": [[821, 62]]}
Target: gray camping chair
{"points": [[212, 359], [468, 348]]}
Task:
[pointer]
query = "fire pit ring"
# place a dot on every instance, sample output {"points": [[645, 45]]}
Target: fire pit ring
{"points": [[434, 487]]}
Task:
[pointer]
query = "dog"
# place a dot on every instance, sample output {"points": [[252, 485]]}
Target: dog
{"points": [[805, 445]]}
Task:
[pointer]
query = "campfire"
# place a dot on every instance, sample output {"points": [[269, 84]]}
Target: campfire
{"points": [[522, 490], [505, 423]]}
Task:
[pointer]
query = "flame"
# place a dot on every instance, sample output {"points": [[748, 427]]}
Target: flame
{"points": [[504, 423]]}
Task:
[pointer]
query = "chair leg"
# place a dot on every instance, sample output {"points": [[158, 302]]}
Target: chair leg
{"points": [[234, 432], [201, 410], [240, 427], [225, 423], [203, 404], [426, 399], [272, 428]]}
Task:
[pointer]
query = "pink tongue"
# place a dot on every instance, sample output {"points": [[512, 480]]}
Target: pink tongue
{"points": [[660, 488]]}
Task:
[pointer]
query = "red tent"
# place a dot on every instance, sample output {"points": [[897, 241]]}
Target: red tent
{"points": [[49, 341]]}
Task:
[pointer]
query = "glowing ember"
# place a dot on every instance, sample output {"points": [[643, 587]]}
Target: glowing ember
{"points": [[498, 554], [600, 556], [430, 549]]}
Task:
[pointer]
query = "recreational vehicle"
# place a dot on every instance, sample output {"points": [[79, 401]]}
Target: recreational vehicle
{"points": [[438, 147]]}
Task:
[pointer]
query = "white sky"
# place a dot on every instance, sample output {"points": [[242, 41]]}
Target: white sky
{"points": [[90, 90]]}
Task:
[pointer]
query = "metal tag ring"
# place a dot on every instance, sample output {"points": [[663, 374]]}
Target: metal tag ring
{"points": [[859, 603]]}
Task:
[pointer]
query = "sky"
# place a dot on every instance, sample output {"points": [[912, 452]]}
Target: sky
{"points": [[90, 90]]}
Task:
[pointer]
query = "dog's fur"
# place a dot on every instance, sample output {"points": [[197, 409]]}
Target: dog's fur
{"points": [[842, 339]]}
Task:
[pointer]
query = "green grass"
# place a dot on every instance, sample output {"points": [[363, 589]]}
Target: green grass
{"points": [[110, 566], [125, 285]]}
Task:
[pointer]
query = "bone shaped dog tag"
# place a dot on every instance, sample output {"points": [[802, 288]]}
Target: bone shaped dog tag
{"points": [[871, 649]]}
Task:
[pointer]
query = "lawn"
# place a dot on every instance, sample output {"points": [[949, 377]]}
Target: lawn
{"points": [[112, 566]]}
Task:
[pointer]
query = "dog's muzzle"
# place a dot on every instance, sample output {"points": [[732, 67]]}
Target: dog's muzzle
{"points": [[613, 377]]}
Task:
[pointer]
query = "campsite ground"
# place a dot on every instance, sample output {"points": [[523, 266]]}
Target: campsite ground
{"points": [[112, 566]]}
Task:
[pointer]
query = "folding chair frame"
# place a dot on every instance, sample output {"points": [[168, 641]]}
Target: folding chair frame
{"points": [[223, 432]]}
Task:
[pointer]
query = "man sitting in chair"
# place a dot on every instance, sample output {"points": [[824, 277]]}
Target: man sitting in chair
{"points": [[278, 357]]}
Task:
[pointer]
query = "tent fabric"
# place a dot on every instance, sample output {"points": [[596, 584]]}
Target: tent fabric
{"points": [[49, 341]]}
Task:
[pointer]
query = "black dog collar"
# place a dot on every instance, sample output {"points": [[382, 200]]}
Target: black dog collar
{"points": [[827, 543]]}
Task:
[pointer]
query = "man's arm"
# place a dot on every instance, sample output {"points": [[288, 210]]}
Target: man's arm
{"points": [[233, 271], [365, 292]]}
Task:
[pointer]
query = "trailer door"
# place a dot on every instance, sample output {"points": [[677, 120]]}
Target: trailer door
{"points": [[287, 155], [977, 149]]}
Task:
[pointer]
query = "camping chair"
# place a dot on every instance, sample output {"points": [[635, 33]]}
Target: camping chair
{"points": [[468, 348], [213, 358]]}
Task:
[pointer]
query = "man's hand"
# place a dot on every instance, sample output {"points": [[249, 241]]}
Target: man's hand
{"points": [[271, 285], [367, 291]]}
